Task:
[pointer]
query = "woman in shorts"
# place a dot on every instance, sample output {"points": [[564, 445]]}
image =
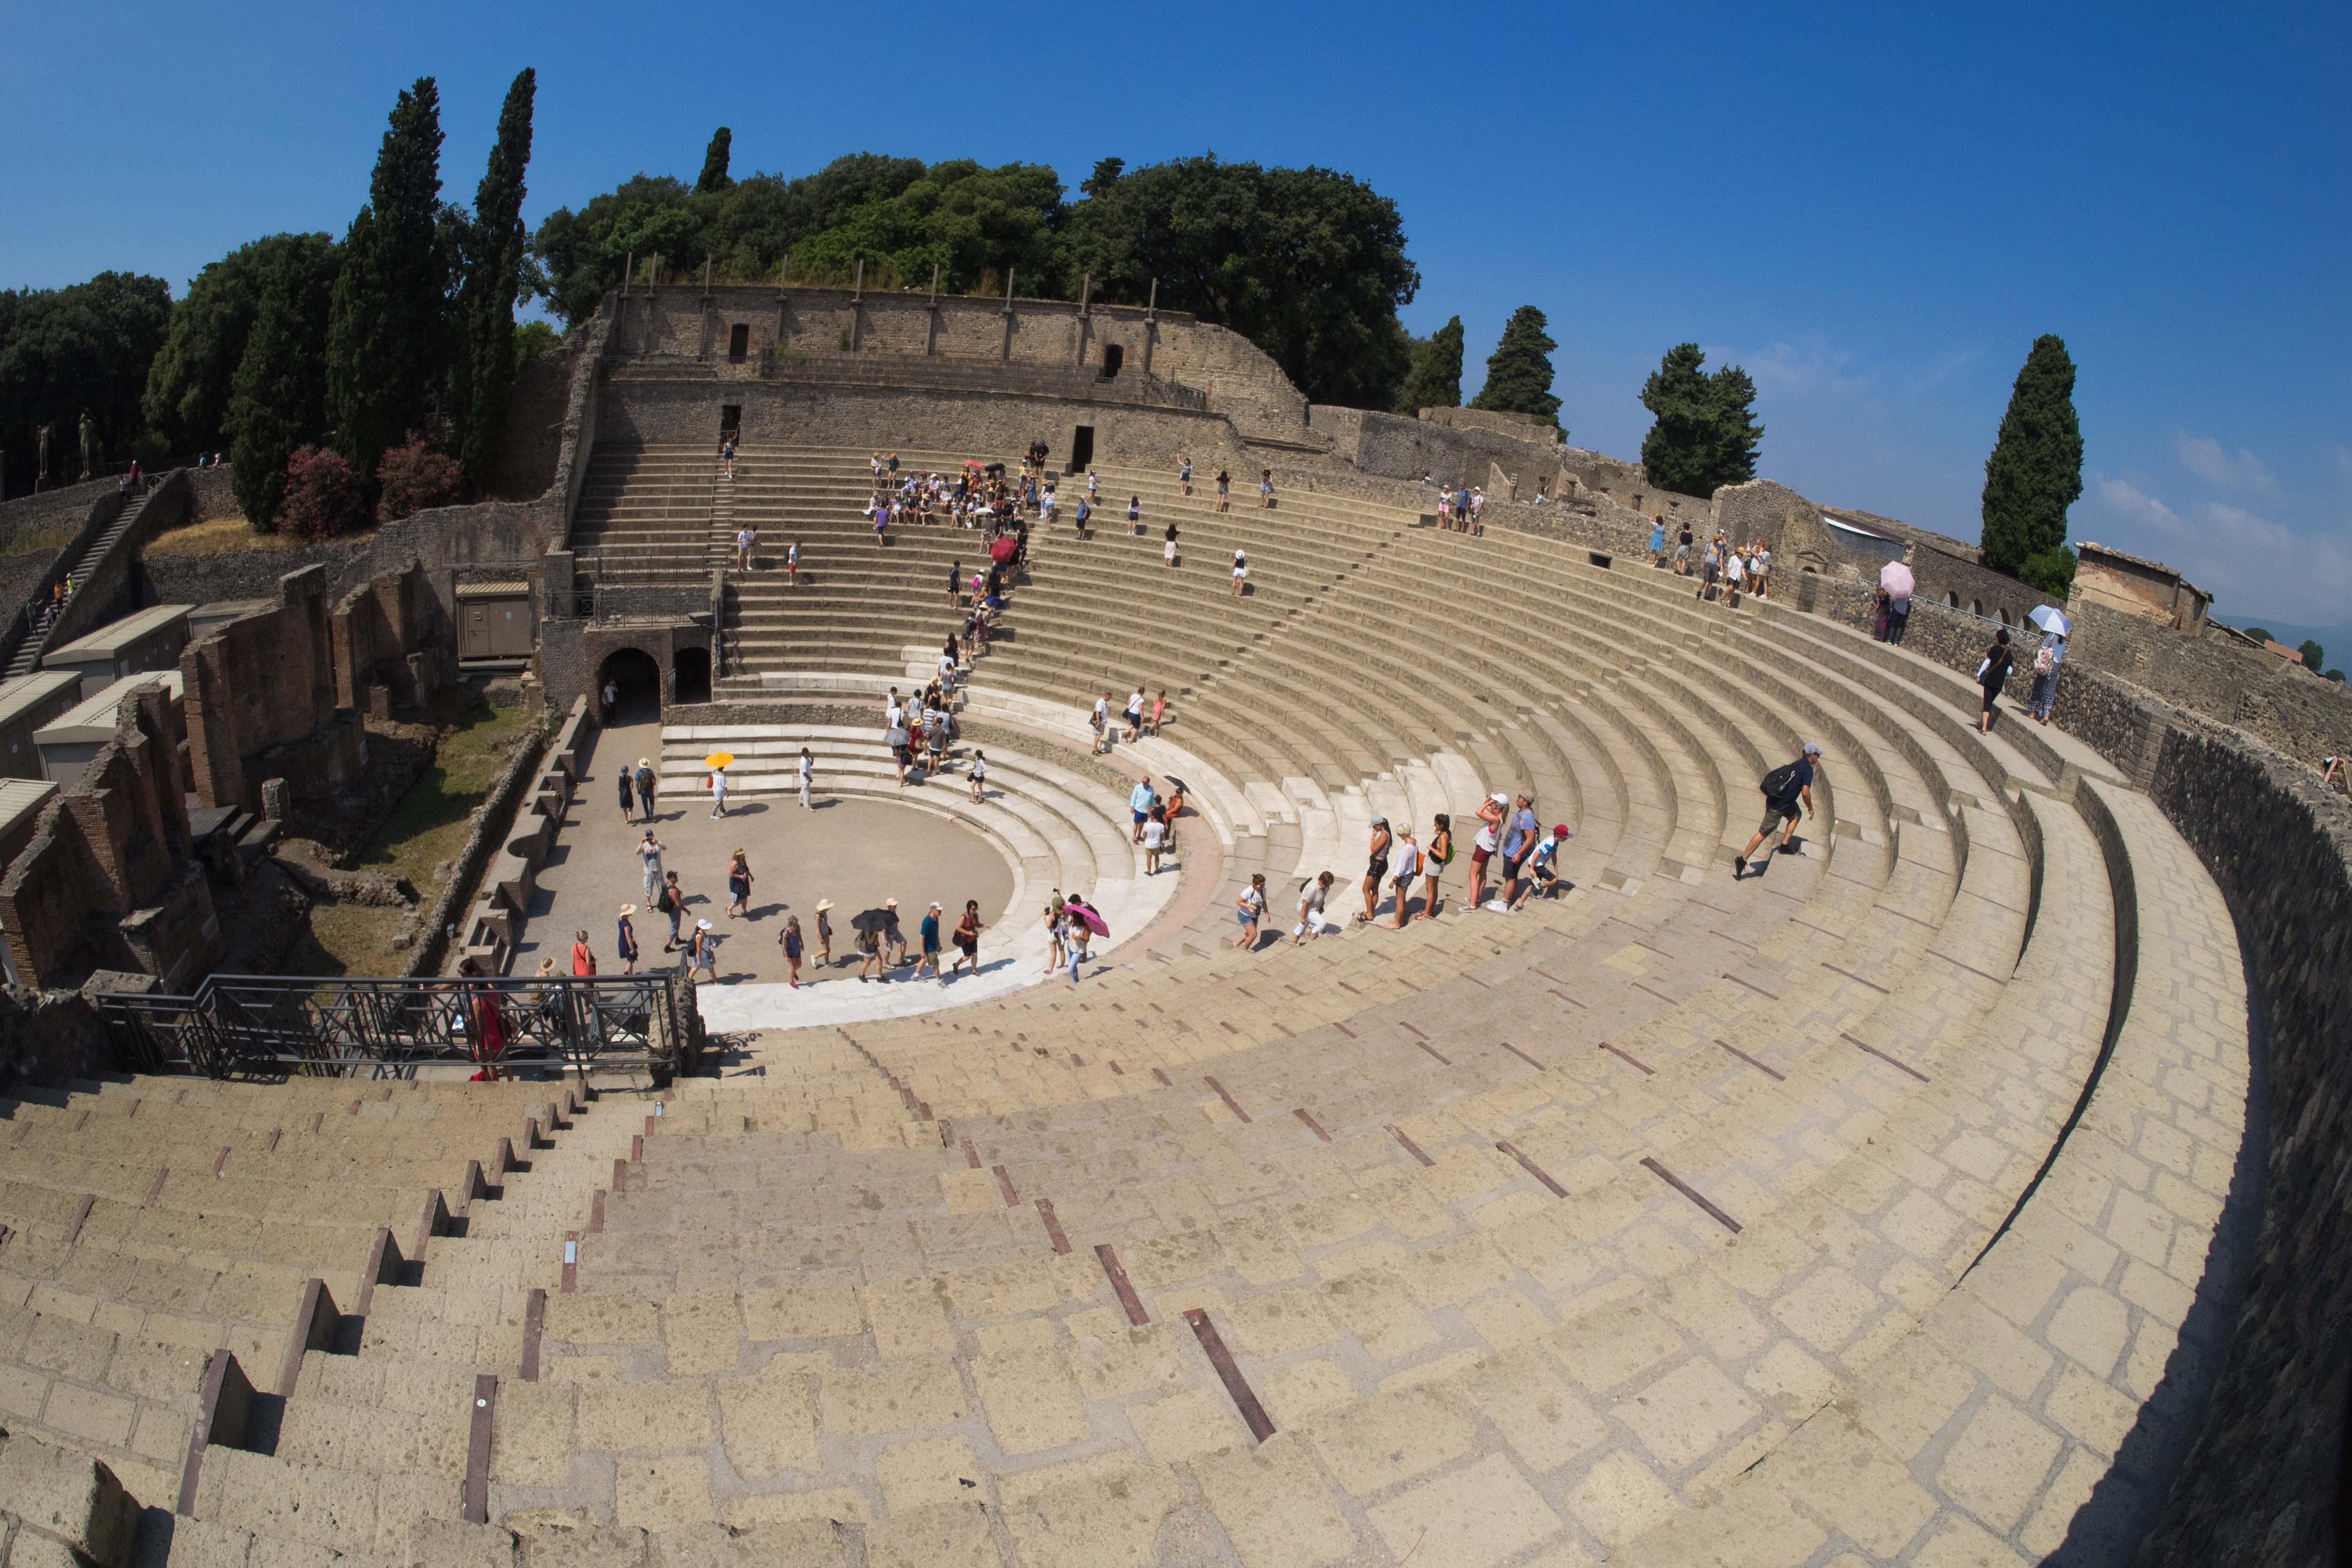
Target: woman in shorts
{"points": [[1432, 862], [739, 885], [1241, 573], [1250, 909], [1377, 867]]}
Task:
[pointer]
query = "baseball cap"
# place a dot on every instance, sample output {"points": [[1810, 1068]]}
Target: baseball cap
{"points": [[1499, 798], [1559, 830], [1813, 747], [1379, 822]]}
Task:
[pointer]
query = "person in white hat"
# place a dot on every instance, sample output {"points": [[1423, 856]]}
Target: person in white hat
{"points": [[701, 952], [930, 931], [1481, 848]]}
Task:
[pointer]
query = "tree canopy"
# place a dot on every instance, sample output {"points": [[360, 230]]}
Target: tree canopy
{"points": [[1435, 379], [277, 401], [2035, 472], [1519, 373], [82, 349], [493, 275], [714, 162], [1705, 432], [189, 382]]}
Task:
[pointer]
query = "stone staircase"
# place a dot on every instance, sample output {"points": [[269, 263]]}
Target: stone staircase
{"points": [[28, 653], [1857, 1207]]}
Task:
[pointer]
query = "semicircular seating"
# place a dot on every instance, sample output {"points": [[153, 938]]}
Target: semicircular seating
{"points": [[1855, 1205]]}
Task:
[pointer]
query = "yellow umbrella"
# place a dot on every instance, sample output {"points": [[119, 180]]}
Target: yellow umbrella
{"points": [[719, 759]]}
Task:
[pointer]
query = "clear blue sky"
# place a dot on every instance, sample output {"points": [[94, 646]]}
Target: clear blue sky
{"points": [[1875, 210]]}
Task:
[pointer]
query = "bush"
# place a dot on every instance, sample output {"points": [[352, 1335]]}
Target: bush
{"points": [[414, 476], [322, 497], [2051, 570]]}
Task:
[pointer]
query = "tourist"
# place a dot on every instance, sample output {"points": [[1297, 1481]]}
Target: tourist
{"points": [[1241, 573], [869, 957], [1445, 509], [1658, 541], [628, 797], [1055, 923], [1139, 806], [584, 959], [1184, 476], [950, 660], [2046, 660], [1085, 510], [808, 774], [671, 901], [1710, 571], [1882, 608], [718, 792], [1735, 576], [701, 953], [645, 786], [1082, 933], [1311, 896], [1682, 549], [1543, 867], [1265, 490], [1482, 847], [790, 942], [649, 850], [1991, 675], [967, 937], [1100, 721], [1898, 615], [727, 453], [824, 932], [612, 699], [1224, 485], [1477, 512], [896, 738], [1159, 711], [1408, 867], [929, 934], [894, 940], [739, 885], [1048, 505], [1249, 909], [1434, 861], [1135, 715], [1174, 806], [978, 772], [1518, 842], [1377, 867], [792, 564], [1784, 787], [955, 577], [1155, 834], [1135, 516], [1759, 568], [747, 540], [627, 944], [1168, 548], [484, 1023]]}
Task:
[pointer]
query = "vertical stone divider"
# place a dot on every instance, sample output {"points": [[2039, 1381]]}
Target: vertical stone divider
{"points": [[221, 1407]]}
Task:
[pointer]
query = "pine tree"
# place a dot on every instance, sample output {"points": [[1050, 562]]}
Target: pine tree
{"points": [[714, 162], [2035, 471], [386, 349], [1705, 432], [1519, 373], [277, 397], [1436, 381], [494, 267], [1736, 435]]}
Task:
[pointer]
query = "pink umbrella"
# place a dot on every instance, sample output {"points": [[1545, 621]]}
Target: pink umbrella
{"points": [[1002, 551], [1095, 922], [1896, 579]]}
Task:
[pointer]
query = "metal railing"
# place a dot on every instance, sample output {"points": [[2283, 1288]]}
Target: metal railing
{"points": [[298, 1025]]}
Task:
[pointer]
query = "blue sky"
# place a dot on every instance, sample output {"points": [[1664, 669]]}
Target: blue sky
{"points": [[1875, 210]]}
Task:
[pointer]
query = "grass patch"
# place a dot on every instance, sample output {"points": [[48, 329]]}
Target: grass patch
{"points": [[56, 538], [222, 536]]}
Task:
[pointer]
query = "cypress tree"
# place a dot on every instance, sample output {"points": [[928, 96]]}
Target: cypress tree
{"points": [[386, 349], [277, 397], [1705, 434], [1519, 373], [1436, 381], [714, 162], [493, 270], [2035, 471]]}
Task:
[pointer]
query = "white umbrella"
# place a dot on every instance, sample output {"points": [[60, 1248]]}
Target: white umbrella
{"points": [[2051, 619], [1896, 578]]}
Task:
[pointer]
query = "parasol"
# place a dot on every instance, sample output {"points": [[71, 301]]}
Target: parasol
{"points": [[1181, 787], [1095, 922], [871, 919], [2051, 619], [1896, 579], [719, 759], [896, 737], [1003, 549]]}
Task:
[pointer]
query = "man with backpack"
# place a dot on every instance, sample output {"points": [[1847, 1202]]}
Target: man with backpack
{"points": [[1784, 787], [645, 786]]}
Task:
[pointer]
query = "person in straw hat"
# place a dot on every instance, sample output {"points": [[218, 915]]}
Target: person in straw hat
{"points": [[628, 941], [823, 934]]}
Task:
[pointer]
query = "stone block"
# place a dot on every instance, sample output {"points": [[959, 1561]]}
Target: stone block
{"points": [[71, 1496]]}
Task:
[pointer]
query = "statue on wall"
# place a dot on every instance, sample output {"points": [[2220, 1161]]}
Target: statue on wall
{"points": [[87, 443], [41, 473]]}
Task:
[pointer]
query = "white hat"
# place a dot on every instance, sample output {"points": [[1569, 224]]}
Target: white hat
{"points": [[702, 925], [1499, 798]]}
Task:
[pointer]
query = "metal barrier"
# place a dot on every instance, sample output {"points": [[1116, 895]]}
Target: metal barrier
{"points": [[297, 1026]]}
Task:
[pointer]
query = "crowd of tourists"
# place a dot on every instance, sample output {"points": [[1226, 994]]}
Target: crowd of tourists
{"points": [[1723, 568]]}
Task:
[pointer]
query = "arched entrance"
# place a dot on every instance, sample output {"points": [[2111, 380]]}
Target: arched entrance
{"points": [[639, 679], [693, 666]]}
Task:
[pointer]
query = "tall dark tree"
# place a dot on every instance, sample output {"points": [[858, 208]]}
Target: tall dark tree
{"points": [[82, 349], [386, 349], [278, 400], [493, 274], [189, 384], [1308, 264], [1519, 373], [714, 163], [2035, 471], [1705, 432], [1435, 379]]}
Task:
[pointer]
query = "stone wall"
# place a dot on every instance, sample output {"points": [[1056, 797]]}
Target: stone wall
{"points": [[534, 443], [173, 578], [110, 590], [63, 508], [261, 704], [1457, 446], [571, 655]]}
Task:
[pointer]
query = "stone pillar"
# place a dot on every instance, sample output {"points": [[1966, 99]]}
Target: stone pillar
{"points": [[1086, 315], [857, 307], [1151, 324], [1008, 314], [931, 329], [273, 800]]}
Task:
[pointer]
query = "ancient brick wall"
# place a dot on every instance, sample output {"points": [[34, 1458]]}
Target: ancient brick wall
{"points": [[259, 685]]}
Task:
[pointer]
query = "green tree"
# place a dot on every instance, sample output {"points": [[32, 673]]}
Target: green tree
{"points": [[1435, 379], [278, 398], [1308, 264], [188, 385], [1519, 373], [2035, 471], [493, 274], [2259, 633], [714, 163], [386, 347], [2315, 658], [1705, 434], [64, 352], [531, 339]]}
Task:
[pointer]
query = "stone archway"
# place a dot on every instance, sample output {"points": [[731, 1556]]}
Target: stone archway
{"points": [[639, 677]]}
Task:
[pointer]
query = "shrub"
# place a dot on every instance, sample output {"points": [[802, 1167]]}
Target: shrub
{"points": [[322, 497], [413, 477]]}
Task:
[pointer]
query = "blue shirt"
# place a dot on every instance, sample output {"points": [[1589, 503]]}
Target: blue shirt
{"points": [[1515, 835], [1799, 782], [931, 933], [1141, 798]]}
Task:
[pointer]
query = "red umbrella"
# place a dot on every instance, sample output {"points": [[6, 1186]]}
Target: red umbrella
{"points": [[1002, 551]]}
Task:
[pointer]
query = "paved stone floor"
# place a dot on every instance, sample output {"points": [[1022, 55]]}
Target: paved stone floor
{"points": [[855, 852]]}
